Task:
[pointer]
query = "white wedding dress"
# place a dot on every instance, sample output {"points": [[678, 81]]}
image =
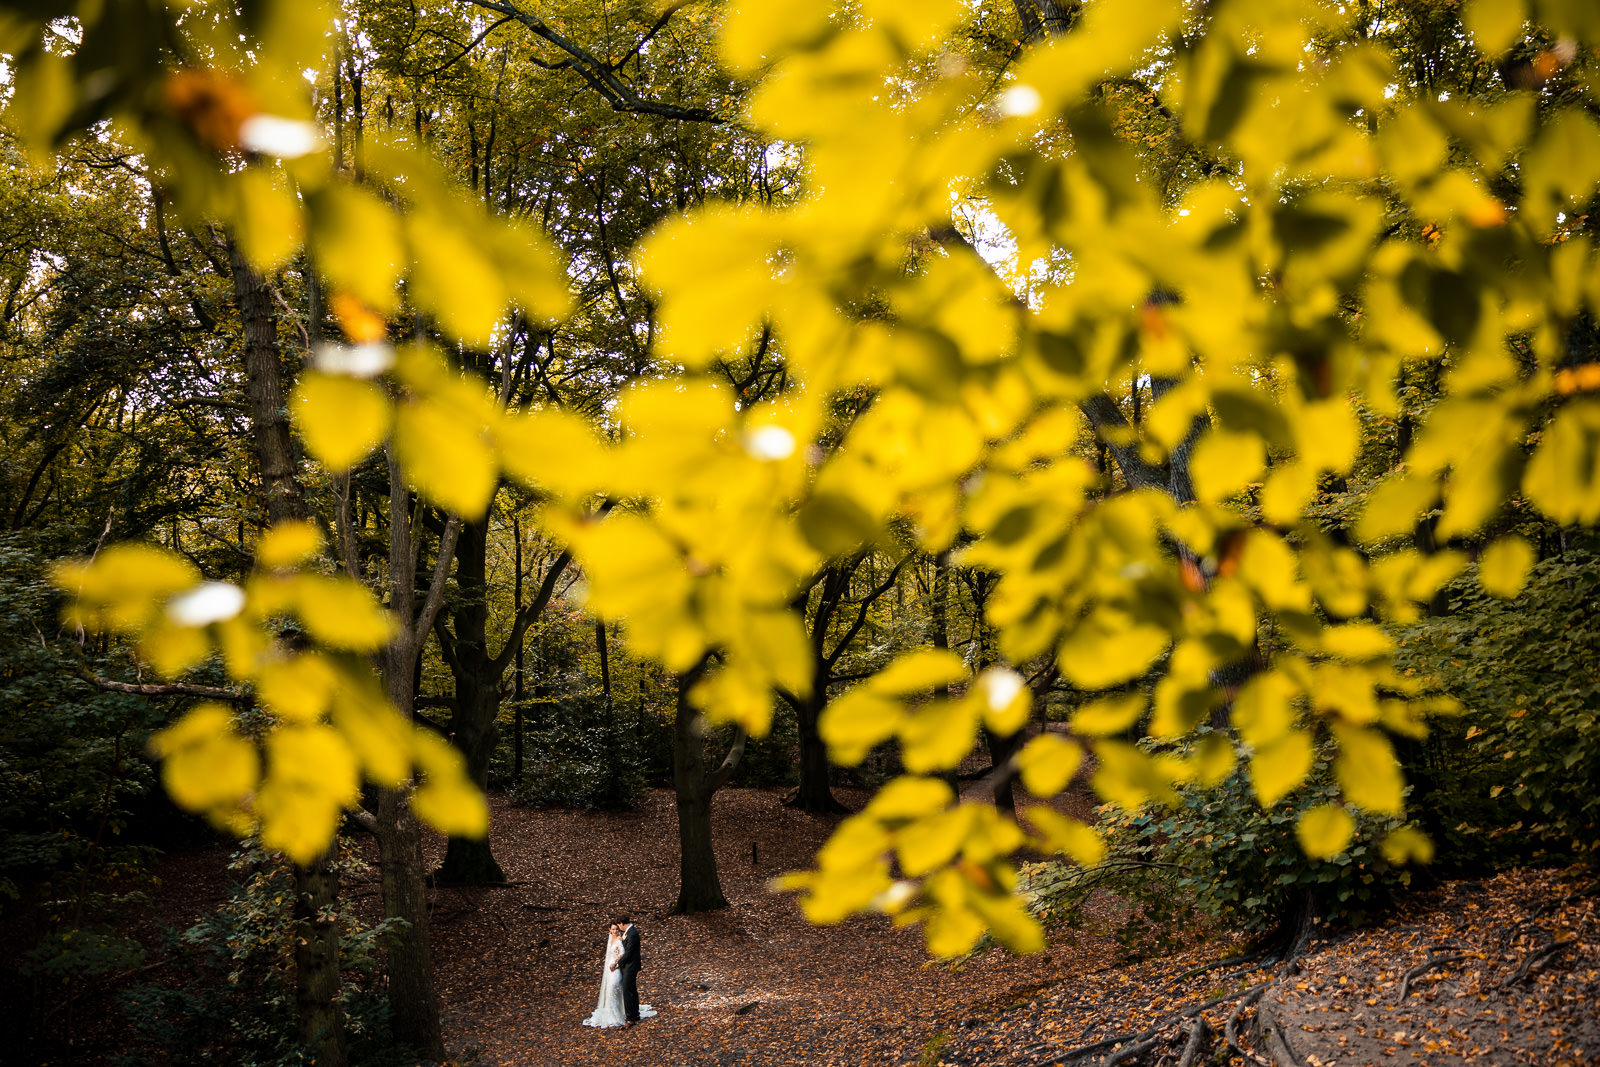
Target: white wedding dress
{"points": [[609, 1010]]}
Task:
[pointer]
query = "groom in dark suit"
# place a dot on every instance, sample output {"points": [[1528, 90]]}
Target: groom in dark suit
{"points": [[628, 963]]}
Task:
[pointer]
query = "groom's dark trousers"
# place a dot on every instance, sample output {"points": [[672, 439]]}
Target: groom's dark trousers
{"points": [[628, 965]]}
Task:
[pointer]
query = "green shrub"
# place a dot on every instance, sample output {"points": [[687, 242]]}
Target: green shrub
{"points": [[575, 756], [1512, 780], [233, 1000]]}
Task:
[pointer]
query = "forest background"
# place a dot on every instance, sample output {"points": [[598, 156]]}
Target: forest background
{"points": [[406, 400]]}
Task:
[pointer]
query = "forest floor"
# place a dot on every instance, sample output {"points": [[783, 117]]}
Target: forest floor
{"points": [[1500, 971]]}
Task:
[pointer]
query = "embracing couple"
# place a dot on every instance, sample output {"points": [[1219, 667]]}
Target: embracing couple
{"points": [[619, 982]]}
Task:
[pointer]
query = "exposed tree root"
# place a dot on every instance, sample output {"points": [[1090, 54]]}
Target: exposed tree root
{"points": [[1230, 1030], [1538, 958], [1199, 1030], [1249, 957], [1149, 1032], [1424, 967]]}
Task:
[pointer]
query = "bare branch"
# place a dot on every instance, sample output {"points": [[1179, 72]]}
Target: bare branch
{"points": [[600, 75], [164, 689]]}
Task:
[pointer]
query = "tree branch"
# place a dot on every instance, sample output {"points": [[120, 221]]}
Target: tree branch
{"points": [[469, 47], [164, 689], [730, 762], [531, 611], [1113, 429], [441, 571], [600, 75], [861, 615]]}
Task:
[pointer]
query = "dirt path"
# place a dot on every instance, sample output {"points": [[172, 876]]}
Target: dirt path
{"points": [[519, 967]]}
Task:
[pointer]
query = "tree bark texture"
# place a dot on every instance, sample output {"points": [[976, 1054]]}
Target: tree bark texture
{"points": [[270, 437], [318, 1012], [699, 886], [474, 720]]}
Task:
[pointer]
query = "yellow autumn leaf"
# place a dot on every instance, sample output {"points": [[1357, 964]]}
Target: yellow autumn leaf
{"points": [[858, 842], [171, 649], [288, 544], [452, 806], [298, 689], [1127, 777], [1495, 25], [1212, 760], [446, 456], [1268, 566], [855, 722], [1504, 566], [1325, 831], [1280, 766], [1356, 641], [1406, 845], [556, 450], [1064, 834], [453, 278], [357, 244], [755, 34], [1009, 921], [938, 734], [298, 822], [1047, 763], [778, 641], [205, 763], [380, 738], [340, 613], [1109, 715], [1368, 773], [919, 671], [125, 586], [267, 220], [341, 419], [1328, 434], [1108, 648], [1224, 462], [1394, 506], [1287, 491], [1263, 711], [952, 931], [933, 840], [315, 758], [909, 797]]}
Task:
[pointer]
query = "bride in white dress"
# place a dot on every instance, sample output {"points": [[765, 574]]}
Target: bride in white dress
{"points": [[609, 1010]]}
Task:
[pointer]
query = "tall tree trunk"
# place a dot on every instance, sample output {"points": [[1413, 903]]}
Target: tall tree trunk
{"points": [[270, 438], [319, 1014], [413, 1002], [519, 691], [474, 725], [609, 709], [815, 793], [699, 887]]}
